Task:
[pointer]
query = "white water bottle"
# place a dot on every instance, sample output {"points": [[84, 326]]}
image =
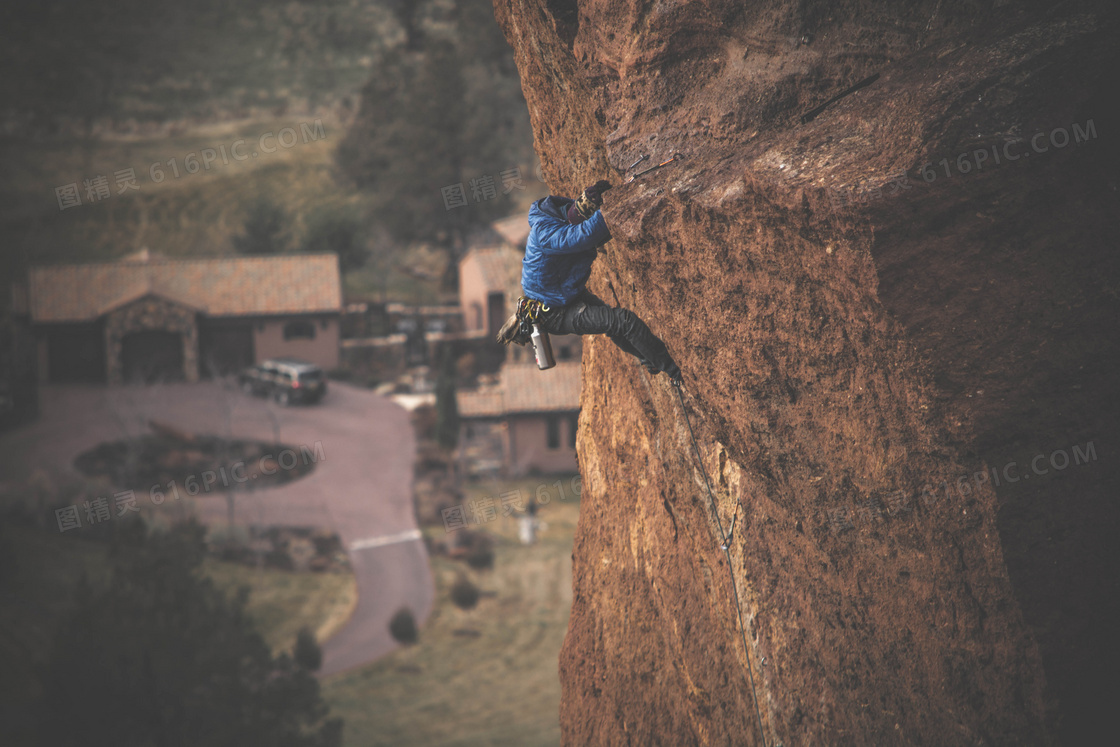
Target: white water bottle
{"points": [[542, 346]]}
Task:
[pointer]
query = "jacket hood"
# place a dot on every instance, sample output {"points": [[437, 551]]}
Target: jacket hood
{"points": [[551, 207]]}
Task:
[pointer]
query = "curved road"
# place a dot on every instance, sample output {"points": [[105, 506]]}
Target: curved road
{"points": [[361, 486]]}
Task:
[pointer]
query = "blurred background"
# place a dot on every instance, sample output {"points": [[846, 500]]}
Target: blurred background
{"points": [[174, 177]]}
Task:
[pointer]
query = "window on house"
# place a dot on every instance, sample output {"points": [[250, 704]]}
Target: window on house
{"points": [[573, 425], [564, 352], [553, 432], [299, 331]]}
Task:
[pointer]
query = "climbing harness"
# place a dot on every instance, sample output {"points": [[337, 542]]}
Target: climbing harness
{"points": [[528, 313], [530, 309], [725, 546]]}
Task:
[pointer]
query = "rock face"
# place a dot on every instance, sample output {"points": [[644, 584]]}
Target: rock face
{"points": [[884, 314]]}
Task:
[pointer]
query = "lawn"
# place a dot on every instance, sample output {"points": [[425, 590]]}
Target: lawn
{"points": [[489, 675], [281, 602]]}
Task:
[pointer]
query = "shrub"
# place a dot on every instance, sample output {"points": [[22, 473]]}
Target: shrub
{"points": [[464, 594], [480, 556], [403, 627], [278, 558], [326, 543], [307, 653]]}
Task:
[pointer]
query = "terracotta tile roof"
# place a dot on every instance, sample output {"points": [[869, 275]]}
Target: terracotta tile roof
{"points": [[523, 388], [482, 403], [500, 267], [514, 229], [237, 286]]}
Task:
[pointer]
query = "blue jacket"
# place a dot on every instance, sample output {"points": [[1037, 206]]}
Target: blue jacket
{"points": [[558, 255]]}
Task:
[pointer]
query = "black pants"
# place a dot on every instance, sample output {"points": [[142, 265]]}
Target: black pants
{"points": [[588, 315]]}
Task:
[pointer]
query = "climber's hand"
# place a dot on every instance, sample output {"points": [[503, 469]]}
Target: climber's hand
{"points": [[592, 198], [598, 188]]}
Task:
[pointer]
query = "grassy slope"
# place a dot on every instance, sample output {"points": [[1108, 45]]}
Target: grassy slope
{"points": [[192, 215], [232, 71], [207, 60], [499, 687]]}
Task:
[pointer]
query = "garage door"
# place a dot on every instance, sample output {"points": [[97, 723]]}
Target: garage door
{"points": [[75, 354], [151, 356]]}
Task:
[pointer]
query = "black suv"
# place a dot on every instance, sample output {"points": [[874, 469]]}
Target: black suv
{"points": [[286, 380]]}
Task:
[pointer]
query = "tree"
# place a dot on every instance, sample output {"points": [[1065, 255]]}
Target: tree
{"points": [[443, 111], [307, 652], [76, 59], [447, 409], [404, 145], [265, 226], [337, 230], [407, 14], [161, 657]]}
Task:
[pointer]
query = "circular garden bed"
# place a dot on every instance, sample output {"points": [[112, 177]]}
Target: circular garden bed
{"points": [[188, 465]]}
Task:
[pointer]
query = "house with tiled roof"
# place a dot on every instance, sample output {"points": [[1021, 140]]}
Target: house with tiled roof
{"points": [[148, 318], [489, 284], [514, 230], [524, 423]]}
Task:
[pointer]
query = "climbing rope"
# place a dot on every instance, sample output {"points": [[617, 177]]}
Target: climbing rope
{"points": [[726, 547]]}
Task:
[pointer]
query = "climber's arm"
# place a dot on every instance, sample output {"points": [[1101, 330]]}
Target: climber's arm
{"points": [[586, 236]]}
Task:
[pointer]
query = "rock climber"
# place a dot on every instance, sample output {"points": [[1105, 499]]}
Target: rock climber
{"points": [[564, 235]]}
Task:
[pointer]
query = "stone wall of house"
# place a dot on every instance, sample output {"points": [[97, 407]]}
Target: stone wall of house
{"points": [[150, 313]]}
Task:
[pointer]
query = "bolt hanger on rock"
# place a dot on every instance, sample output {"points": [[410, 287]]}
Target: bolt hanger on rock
{"points": [[676, 157], [631, 166]]}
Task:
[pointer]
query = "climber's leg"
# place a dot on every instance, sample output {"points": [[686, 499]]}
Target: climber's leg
{"points": [[562, 322], [588, 315], [594, 301]]}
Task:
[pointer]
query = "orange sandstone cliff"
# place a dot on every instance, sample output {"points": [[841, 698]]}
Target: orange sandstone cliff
{"points": [[884, 314]]}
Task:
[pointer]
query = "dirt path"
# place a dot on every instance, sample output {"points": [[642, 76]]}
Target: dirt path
{"points": [[361, 486]]}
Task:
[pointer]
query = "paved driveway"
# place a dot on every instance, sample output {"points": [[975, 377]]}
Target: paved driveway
{"points": [[361, 485]]}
